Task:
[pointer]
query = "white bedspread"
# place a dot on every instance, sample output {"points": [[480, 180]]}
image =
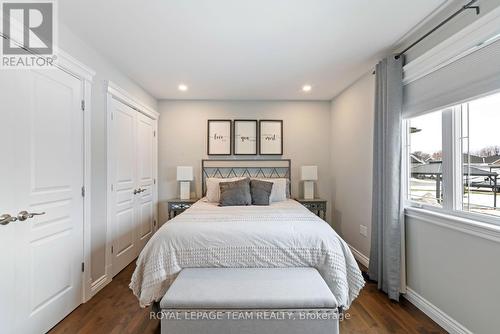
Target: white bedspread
{"points": [[284, 234]]}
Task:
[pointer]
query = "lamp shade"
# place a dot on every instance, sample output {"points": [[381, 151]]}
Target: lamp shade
{"points": [[309, 173], [184, 173]]}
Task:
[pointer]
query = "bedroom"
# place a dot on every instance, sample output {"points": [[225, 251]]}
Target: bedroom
{"points": [[335, 159]]}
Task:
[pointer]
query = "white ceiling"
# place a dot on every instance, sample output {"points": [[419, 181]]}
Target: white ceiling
{"points": [[244, 49]]}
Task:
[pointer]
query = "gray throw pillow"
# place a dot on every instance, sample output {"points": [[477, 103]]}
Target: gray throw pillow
{"points": [[261, 191], [235, 193]]}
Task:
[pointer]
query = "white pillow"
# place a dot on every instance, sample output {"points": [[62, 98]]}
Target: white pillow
{"points": [[213, 189], [279, 191]]}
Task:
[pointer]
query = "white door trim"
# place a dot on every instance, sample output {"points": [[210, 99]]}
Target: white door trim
{"points": [[85, 74], [107, 277], [87, 184], [74, 66], [123, 96]]}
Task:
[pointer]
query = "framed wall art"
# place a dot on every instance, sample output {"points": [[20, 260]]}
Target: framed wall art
{"points": [[219, 134], [245, 137], [271, 137]]}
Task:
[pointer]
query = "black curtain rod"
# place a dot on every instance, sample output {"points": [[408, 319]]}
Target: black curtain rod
{"points": [[464, 8]]}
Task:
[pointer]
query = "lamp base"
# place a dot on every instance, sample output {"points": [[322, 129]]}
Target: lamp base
{"points": [[185, 191], [308, 189]]}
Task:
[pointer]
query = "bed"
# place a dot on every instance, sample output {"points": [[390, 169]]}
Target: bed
{"points": [[283, 234]]}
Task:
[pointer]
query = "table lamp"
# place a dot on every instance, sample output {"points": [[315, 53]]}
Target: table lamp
{"points": [[309, 174], [185, 176]]}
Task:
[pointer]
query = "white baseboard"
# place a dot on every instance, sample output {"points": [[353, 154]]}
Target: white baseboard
{"points": [[98, 284], [363, 259], [442, 319]]}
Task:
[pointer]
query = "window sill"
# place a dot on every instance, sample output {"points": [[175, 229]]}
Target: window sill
{"points": [[470, 226]]}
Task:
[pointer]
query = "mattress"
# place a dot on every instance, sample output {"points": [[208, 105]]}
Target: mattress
{"points": [[281, 235]]}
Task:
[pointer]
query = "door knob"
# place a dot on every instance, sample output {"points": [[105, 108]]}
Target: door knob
{"points": [[6, 219], [138, 191], [23, 215]]}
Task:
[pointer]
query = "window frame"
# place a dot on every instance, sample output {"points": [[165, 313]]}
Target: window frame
{"points": [[452, 184]]}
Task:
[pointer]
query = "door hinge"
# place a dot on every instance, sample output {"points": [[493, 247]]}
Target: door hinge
{"points": [[83, 104], [154, 223], [154, 181], [154, 133], [83, 191], [111, 249], [112, 187], [111, 116], [83, 267]]}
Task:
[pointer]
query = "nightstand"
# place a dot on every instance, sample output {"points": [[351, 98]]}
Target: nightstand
{"points": [[317, 206], [177, 206]]}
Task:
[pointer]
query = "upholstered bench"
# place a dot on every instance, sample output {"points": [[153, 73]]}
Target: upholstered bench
{"points": [[244, 301]]}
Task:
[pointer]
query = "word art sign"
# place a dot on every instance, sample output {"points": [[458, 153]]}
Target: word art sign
{"points": [[271, 137], [219, 137]]}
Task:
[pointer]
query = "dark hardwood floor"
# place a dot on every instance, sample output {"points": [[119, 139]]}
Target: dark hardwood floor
{"points": [[116, 310]]}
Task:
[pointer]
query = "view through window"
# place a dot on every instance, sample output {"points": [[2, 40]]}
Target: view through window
{"points": [[477, 157], [425, 147], [481, 155]]}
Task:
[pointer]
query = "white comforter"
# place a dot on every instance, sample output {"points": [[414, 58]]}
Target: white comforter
{"points": [[284, 234]]}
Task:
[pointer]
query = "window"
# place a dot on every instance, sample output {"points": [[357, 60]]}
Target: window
{"points": [[425, 160], [454, 157], [480, 142]]}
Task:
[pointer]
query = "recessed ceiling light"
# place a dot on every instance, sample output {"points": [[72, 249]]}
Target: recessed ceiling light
{"points": [[306, 88], [182, 87]]}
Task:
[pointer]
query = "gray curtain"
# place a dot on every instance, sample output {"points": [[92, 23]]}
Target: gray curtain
{"points": [[385, 255]]}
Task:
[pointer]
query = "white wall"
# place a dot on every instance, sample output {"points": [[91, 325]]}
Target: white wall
{"points": [[352, 114], [105, 70], [453, 270], [183, 129], [456, 272]]}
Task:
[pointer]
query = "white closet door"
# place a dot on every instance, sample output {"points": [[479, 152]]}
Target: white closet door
{"points": [[123, 173], [42, 172], [145, 178]]}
